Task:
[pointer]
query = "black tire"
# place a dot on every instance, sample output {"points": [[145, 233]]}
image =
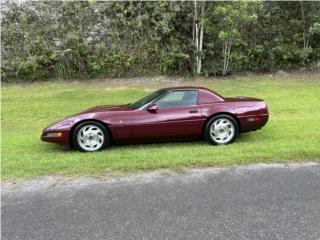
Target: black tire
{"points": [[207, 134], [106, 136]]}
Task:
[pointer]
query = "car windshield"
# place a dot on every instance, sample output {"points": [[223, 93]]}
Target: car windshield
{"points": [[147, 99]]}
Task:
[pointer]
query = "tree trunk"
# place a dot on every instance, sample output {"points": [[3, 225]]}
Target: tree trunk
{"points": [[197, 34], [226, 52], [305, 35], [201, 38], [224, 47]]}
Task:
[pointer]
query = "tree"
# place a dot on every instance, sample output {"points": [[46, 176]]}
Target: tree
{"points": [[43, 39], [232, 17], [310, 18]]}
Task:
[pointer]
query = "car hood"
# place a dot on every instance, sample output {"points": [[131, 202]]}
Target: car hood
{"points": [[107, 108], [70, 120]]}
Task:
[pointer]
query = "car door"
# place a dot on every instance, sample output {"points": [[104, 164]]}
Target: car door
{"points": [[178, 116]]}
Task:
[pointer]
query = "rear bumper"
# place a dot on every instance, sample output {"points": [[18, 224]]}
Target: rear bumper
{"points": [[253, 122], [63, 138]]}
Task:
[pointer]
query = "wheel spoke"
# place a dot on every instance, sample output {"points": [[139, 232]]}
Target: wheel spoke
{"points": [[212, 131], [95, 131]]}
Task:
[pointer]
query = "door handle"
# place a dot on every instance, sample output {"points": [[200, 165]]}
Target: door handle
{"points": [[193, 111]]}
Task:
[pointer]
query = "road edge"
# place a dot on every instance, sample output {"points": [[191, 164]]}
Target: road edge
{"points": [[49, 182]]}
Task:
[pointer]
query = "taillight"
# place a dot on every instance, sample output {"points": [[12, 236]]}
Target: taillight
{"points": [[253, 119]]}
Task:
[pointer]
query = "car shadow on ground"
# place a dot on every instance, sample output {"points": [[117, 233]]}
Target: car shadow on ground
{"points": [[242, 138]]}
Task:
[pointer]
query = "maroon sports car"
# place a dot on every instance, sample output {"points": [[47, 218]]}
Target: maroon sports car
{"points": [[167, 114]]}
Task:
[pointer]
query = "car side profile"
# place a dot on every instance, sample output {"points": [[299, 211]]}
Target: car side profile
{"points": [[168, 114]]}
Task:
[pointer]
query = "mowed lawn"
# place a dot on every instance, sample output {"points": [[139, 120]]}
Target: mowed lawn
{"points": [[291, 135]]}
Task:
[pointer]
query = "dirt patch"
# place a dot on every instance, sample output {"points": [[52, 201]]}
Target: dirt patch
{"points": [[47, 182], [154, 81]]}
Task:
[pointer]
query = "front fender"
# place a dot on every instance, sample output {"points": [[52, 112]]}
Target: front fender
{"points": [[68, 123]]}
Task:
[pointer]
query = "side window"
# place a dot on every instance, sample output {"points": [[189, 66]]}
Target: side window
{"points": [[178, 98]]}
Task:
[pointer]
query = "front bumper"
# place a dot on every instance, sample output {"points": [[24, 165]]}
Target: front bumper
{"points": [[56, 136]]}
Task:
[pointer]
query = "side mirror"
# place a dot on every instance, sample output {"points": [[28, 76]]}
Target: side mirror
{"points": [[152, 108]]}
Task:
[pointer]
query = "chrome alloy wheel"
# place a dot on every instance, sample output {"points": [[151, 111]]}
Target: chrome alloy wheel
{"points": [[222, 130], [90, 138]]}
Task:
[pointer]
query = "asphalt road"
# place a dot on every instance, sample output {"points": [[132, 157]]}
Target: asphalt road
{"points": [[246, 203]]}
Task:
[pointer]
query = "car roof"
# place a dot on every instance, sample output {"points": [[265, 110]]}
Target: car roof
{"points": [[185, 88], [208, 92]]}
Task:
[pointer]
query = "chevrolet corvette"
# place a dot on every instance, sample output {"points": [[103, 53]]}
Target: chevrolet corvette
{"points": [[177, 113]]}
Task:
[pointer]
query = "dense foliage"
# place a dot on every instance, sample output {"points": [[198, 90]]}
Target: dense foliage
{"points": [[88, 39]]}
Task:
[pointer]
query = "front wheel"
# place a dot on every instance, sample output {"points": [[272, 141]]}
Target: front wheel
{"points": [[90, 136], [221, 129]]}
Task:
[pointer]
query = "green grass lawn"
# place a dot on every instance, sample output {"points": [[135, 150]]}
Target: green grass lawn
{"points": [[292, 133]]}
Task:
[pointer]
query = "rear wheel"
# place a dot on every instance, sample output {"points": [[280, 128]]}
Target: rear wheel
{"points": [[221, 129], [90, 136]]}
